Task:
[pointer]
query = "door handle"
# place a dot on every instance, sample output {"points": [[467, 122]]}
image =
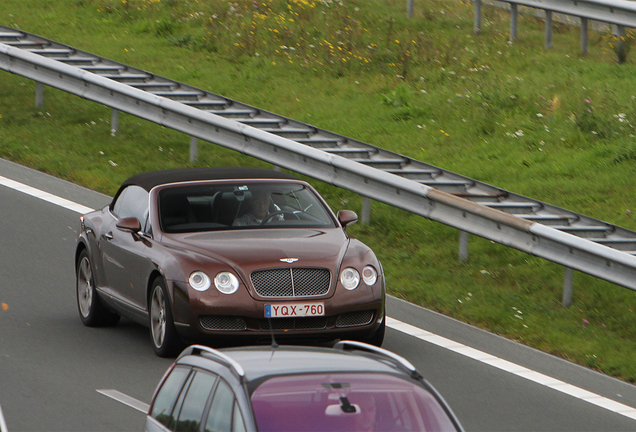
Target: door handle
{"points": [[108, 235]]}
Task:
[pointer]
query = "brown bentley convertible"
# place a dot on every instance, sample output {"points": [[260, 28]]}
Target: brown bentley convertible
{"points": [[218, 255]]}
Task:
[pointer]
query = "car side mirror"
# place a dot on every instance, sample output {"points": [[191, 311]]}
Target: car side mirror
{"points": [[347, 217], [130, 224]]}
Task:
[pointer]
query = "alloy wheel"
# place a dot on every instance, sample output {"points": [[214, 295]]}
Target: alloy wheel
{"points": [[158, 317], [85, 287]]}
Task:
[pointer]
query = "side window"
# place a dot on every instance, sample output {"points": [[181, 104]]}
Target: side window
{"points": [[177, 407], [238, 424], [195, 402], [132, 202], [163, 407], [221, 414]]}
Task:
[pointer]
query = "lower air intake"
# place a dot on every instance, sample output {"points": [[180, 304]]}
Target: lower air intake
{"points": [[352, 319], [222, 323]]}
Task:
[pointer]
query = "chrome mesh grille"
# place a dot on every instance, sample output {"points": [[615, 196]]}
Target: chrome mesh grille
{"points": [[222, 323], [351, 319], [291, 282], [304, 323]]}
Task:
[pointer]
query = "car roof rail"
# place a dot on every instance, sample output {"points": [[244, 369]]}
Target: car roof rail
{"points": [[217, 355], [401, 361]]}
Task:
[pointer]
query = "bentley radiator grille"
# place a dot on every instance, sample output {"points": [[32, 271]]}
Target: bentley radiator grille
{"points": [[351, 319], [222, 323], [291, 282]]}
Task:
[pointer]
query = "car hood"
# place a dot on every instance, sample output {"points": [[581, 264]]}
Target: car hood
{"points": [[266, 248]]}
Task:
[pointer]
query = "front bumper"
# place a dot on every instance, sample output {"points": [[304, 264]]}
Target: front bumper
{"points": [[216, 317]]}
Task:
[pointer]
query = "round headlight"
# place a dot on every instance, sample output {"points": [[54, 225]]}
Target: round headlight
{"points": [[350, 278], [226, 282], [199, 281], [369, 275]]}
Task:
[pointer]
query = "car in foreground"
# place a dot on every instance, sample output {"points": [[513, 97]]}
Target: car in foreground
{"points": [[3, 424], [220, 255], [351, 387]]}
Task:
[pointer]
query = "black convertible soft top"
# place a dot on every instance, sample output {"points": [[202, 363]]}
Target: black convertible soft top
{"points": [[150, 179]]}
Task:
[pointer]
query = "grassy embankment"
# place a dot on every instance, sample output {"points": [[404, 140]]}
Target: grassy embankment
{"points": [[552, 125]]}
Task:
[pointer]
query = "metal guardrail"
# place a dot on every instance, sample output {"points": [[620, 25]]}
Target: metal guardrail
{"points": [[576, 241], [621, 13]]}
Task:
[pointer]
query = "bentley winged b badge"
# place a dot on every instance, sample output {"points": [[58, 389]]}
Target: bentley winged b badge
{"points": [[288, 260]]}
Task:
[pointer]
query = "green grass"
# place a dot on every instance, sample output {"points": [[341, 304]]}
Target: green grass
{"points": [[552, 125]]}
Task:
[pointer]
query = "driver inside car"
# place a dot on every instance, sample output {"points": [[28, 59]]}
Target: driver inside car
{"points": [[259, 210]]}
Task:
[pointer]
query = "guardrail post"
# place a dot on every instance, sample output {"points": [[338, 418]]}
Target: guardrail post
{"points": [[567, 287], [39, 94], [584, 22], [463, 246], [114, 122], [477, 24], [194, 149], [366, 210], [513, 21], [409, 8], [548, 29], [621, 47]]}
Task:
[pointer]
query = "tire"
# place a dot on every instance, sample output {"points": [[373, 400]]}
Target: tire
{"points": [[378, 336], [163, 333], [91, 310]]}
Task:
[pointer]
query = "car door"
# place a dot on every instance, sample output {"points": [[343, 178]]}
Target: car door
{"points": [[124, 253]]}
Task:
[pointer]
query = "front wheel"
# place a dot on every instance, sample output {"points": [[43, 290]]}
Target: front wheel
{"points": [[163, 333], [378, 336], [91, 311]]}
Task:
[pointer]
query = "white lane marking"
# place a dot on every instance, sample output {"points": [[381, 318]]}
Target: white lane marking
{"points": [[54, 199], [425, 335], [513, 368], [125, 399]]}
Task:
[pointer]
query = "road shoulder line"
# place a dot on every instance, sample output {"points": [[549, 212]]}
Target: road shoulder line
{"points": [[513, 368], [54, 199]]}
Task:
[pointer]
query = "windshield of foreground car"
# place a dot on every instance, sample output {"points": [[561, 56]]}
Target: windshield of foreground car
{"points": [[346, 402], [214, 206]]}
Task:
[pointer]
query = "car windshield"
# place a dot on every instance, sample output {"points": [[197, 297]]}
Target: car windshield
{"points": [[346, 402], [216, 206]]}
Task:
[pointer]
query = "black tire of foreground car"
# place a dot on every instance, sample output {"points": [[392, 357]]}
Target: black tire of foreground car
{"points": [[163, 333], [91, 310]]}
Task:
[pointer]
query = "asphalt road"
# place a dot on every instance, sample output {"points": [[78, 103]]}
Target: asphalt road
{"points": [[51, 366]]}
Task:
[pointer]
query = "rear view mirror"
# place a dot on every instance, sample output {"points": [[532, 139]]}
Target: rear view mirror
{"points": [[347, 217], [130, 224], [337, 410]]}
